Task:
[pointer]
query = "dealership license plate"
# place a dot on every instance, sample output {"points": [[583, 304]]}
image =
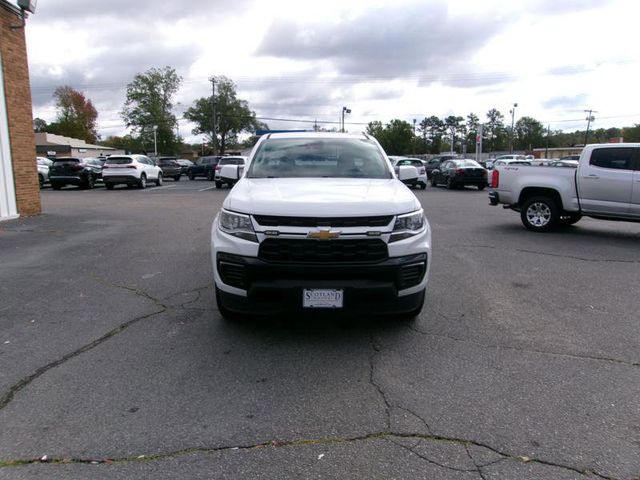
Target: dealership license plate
{"points": [[322, 298]]}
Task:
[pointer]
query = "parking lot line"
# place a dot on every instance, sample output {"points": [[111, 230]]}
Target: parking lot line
{"points": [[205, 189], [155, 189]]}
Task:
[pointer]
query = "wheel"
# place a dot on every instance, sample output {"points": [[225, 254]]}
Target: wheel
{"points": [[40, 180], [56, 186], [159, 180], [481, 187], [539, 214], [423, 186], [191, 176], [433, 182], [210, 176], [218, 184], [89, 183], [142, 183], [109, 186], [176, 178], [570, 219], [450, 184]]}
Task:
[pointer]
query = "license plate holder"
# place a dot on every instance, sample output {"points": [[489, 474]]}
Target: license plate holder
{"points": [[322, 298]]}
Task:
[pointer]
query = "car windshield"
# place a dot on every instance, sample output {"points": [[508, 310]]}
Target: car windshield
{"points": [[318, 157]]}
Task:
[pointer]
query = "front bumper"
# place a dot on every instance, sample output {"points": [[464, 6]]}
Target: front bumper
{"points": [[248, 284]]}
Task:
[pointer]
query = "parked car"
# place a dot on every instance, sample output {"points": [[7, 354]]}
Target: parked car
{"points": [[170, 168], [564, 163], [603, 186], [325, 225], [460, 172], [421, 180], [204, 167], [510, 157], [571, 157], [83, 172], [503, 160], [434, 163], [184, 165], [44, 164], [220, 181], [130, 170]]}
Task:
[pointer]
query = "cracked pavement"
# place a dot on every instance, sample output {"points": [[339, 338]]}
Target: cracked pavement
{"points": [[114, 362]]}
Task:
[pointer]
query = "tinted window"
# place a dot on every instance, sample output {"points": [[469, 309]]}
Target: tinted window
{"points": [[60, 161], [615, 158], [319, 157], [118, 160]]}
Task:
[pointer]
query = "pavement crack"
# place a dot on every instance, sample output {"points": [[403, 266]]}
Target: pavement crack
{"points": [[424, 422], [479, 467], [427, 459], [381, 435], [525, 350], [139, 292], [15, 388], [372, 381]]}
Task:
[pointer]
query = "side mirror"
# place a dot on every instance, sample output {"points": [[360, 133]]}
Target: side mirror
{"points": [[229, 172], [407, 172]]}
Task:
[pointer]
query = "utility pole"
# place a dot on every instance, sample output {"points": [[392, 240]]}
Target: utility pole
{"points": [[214, 138], [590, 118], [479, 143], [344, 110], [513, 114], [546, 150]]}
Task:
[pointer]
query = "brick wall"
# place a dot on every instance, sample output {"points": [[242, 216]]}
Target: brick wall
{"points": [[19, 113]]}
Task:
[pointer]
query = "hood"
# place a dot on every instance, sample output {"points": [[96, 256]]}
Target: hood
{"points": [[345, 197]]}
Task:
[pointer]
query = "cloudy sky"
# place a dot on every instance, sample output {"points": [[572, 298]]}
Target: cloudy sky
{"points": [[388, 59]]}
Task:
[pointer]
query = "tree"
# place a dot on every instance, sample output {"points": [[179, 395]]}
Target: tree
{"points": [[432, 129], [454, 126], [473, 124], [233, 116], [39, 125], [494, 130], [395, 138], [632, 134], [529, 133], [149, 104], [76, 116]]}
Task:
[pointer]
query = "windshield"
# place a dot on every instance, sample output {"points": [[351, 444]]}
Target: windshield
{"points": [[467, 163], [318, 157]]}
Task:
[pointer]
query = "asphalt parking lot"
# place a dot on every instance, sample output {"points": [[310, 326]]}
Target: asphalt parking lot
{"points": [[114, 362]]}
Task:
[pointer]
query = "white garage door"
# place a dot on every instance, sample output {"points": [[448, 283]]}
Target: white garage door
{"points": [[7, 188]]}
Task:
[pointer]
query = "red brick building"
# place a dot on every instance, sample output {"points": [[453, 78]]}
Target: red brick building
{"points": [[19, 190]]}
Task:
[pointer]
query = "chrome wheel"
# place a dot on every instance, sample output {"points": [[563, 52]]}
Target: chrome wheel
{"points": [[538, 214]]}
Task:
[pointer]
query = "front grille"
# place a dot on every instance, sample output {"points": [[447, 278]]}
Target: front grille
{"points": [[318, 251], [271, 221], [232, 274], [411, 275]]}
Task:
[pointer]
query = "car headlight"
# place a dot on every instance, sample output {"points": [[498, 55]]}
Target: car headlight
{"points": [[238, 225], [407, 225]]}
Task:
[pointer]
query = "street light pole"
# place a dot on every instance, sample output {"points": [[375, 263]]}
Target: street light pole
{"points": [[513, 115], [155, 141], [344, 110]]}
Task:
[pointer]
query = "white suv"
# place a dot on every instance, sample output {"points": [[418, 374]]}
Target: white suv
{"points": [[320, 221], [130, 170]]}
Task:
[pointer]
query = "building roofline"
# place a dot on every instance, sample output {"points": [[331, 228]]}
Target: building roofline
{"points": [[10, 7]]}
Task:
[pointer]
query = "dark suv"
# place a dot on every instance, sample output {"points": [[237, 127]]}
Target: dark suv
{"points": [[204, 167], [170, 168], [83, 172]]}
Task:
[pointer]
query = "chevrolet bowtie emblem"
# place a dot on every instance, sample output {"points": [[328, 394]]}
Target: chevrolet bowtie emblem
{"points": [[325, 234]]}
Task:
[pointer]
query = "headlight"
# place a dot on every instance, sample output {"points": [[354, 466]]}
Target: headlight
{"points": [[407, 225], [238, 225]]}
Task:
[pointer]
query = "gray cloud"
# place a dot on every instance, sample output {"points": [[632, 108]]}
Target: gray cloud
{"points": [[412, 42], [147, 10], [565, 102], [550, 7]]}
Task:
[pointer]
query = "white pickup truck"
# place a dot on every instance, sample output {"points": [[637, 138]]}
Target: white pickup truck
{"points": [[320, 221], [605, 185]]}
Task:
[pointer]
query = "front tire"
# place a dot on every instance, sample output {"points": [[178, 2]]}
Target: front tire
{"points": [[159, 180], [109, 186], [218, 184], [450, 184], [176, 178], [481, 187], [539, 214], [142, 183], [40, 180], [433, 182], [56, 186], [210, 175], [89, 183], [191, 176]]}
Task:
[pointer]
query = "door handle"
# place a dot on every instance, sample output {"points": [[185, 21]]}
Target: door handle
{"points": [[591, 177]]}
